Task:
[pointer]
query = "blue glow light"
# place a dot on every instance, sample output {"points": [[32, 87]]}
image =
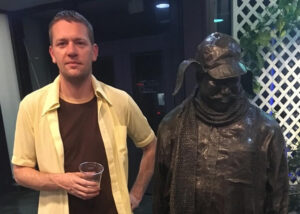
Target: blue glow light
{"points": [[162, 5], [218, 20]]}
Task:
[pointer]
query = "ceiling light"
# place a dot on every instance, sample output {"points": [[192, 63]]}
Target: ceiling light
{"points": [[218, 20], [162, 5]]}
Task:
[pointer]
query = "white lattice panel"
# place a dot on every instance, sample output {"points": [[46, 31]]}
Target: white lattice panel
{"points": [[280, 78]]}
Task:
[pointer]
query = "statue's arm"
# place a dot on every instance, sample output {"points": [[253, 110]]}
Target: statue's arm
{"points": [[162, 172], [277, 185]]}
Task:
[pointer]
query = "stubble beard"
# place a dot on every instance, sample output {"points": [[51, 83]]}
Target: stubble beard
{"points": [[76, 80]]}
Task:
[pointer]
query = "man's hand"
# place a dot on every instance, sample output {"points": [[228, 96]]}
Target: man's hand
{"points": [[134, 202], [78, 184], [75, 183]]}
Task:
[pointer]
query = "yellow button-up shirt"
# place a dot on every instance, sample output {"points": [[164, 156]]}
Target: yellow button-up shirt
{"points": [[38, 141]]}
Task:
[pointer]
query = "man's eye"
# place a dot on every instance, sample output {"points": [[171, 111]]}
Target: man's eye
{"points": [[80, 43], [61, 44]]}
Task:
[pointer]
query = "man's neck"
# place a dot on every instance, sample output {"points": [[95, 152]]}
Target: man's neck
{"points": [[76, 92]]}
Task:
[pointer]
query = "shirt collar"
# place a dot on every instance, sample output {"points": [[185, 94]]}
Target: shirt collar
{"points": [[52, 100], [98, 88]]}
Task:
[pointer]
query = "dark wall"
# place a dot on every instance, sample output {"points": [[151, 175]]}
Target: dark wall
{"points": [[6, 175], [224, 11], [197, 24], [139, 61]]}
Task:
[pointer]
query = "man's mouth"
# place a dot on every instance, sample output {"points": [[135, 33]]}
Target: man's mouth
{"points": [[73, 63]]}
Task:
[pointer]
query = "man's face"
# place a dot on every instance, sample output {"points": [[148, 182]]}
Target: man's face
{"points": [[72, 50], [219, 94]]}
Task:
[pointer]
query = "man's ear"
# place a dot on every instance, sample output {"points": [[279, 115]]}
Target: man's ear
{"points": [[52, 54], [95, 52]]}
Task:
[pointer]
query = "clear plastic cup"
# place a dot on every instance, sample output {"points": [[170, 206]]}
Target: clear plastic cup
{"points": [[94, 169]]}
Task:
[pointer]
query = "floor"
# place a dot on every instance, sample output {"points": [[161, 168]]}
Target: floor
{"points": [[19, 201], [25, 201]]}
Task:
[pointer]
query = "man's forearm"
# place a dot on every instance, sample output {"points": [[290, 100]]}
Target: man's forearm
{"points": [[34, 179], [145, 172], [75, 183]]}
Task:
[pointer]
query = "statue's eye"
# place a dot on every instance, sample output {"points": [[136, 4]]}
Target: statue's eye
{"points": [[212, 83]]}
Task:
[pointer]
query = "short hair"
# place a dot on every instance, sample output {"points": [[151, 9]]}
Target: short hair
{"points": [[71, 16]]}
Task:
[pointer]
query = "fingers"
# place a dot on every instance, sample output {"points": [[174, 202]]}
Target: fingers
{"points": [[84, 192], [134, 202], [88, 183], [82, 188], [85, 196], [89, 187], [85, 180], [87, 175]]}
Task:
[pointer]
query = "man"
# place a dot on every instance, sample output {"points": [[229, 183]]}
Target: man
{"points": [[76, 119], [216, 152]]}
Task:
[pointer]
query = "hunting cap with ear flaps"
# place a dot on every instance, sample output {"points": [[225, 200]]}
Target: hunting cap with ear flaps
{"points": [[218, 55]]}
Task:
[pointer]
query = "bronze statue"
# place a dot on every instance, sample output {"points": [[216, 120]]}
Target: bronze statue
{"points": [[216, 152]]}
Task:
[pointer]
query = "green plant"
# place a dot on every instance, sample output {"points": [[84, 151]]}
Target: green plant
{"points": [[275, 22]]}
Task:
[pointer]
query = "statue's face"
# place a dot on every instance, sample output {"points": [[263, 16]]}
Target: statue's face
{"points": [[219, 94]]}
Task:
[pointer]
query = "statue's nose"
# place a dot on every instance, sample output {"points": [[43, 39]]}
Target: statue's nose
{"points": [[225, 90]]}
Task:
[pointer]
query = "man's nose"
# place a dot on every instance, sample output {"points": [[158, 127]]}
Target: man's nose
{"points": [[71, 49]]}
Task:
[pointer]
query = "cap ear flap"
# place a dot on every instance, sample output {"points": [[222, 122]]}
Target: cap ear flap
{"points": [[180, 73]]}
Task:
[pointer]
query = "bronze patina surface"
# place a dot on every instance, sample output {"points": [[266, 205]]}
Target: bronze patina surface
{"points": [[216, 152]]}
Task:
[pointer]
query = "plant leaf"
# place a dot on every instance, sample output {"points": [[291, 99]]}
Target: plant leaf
{"points": [[260, 61], [283, 33]]}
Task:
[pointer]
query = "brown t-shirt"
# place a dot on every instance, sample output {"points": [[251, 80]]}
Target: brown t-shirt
{"points": [[80, 133]]}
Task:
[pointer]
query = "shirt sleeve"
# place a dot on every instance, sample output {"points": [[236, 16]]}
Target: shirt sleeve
{"points": [[24, 147], [138, 127]]}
